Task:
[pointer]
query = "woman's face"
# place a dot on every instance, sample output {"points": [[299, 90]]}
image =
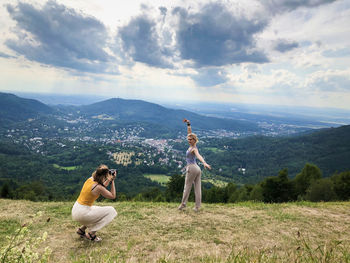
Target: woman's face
{"points": [[191, 141]]}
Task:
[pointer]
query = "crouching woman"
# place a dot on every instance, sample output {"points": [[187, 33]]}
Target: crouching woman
{"points": [[93, 217]]}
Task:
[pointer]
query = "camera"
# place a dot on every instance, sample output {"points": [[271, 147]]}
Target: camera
{"points": [[112, 172]]}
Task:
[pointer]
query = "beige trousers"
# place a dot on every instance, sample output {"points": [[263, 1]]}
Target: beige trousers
{"points": [[94, 217], [193, 176]]}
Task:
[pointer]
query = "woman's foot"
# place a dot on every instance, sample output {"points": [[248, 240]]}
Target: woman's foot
{"points": [[196, 209], [81, 232], [182, 207], [93, 237]]}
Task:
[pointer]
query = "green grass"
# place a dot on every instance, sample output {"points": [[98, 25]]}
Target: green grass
{"points": [[159, 178], [158, 232], [68, 168], [214, 149]]}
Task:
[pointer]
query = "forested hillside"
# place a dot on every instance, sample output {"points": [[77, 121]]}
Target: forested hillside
{"points": [[138, 110], [47, 153], [59, 172], [263, 156], [14, 109], [27, 175]]}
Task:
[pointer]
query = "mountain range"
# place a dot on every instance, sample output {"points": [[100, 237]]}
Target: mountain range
{"points": [[138, 110], [14, 108], [42, 143]]}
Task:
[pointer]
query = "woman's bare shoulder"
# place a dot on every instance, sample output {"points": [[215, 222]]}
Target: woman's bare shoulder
{"points": [[194, 149]]}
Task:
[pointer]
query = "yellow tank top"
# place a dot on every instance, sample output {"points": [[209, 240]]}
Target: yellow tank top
{"points": [[86, 197]]}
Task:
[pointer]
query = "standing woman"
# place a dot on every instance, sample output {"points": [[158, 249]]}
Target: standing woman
{"points": [[90, 216], [193, 172]]}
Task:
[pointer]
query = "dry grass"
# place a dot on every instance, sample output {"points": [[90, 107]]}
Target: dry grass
{"points": [[158, 232]]}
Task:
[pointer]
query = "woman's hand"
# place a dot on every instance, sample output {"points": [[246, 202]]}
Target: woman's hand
{"points": [[187, 121], [189, 129], [196, 153], [207, 166], [111, 176]]}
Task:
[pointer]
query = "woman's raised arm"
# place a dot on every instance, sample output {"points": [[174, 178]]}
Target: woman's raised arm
{"points": [[189, 129]]}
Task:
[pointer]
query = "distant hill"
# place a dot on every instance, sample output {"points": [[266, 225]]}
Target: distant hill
{"points": [[263, 156], [14, 108], [142, 111]]}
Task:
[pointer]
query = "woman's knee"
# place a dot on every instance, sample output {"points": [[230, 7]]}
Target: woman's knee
{"points": [[112, 211]]}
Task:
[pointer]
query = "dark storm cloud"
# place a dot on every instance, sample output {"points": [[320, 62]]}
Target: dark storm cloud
{"points": [[59, 36], [140, 41], [281, 6], [216, 37], [284, 46]]}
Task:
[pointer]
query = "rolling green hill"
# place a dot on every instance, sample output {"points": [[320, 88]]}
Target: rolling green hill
{"points": [[59, 173], [14, 108], [154, 118], [51, 156], [142, 111], [261, 156]]}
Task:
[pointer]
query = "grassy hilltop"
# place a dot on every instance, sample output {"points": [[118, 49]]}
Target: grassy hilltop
{"points": [[158, 232]]}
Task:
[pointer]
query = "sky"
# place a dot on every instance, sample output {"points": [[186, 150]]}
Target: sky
{"points": [[273, 52]]}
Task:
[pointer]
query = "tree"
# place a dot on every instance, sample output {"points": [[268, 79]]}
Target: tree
{"points": [[342, 185], [153, 194], [230, 189], [304, 179], [5, 191], [320, 190], [175, 188], [243, 195], [257, 193], [277, 188]]}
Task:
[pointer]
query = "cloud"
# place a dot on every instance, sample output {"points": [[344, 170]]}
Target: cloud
{"points": [[141, 41], [285, 46], [4, 55], [337, 53], [281, 6], [329, 81], [59, 36], [215, 37], [163, 10], [208, 77]]}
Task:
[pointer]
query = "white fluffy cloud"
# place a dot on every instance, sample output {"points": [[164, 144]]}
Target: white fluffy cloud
{"points": [[329, 81], [260, 49]]}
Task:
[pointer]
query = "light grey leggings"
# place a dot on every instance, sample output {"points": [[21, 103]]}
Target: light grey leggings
{"points": [[193, 176]]}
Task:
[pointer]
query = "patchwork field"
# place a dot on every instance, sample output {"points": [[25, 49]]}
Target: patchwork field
{"points": [[123, 158]]}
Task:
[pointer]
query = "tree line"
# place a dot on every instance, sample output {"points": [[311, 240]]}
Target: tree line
{"points": [[308, 185]]}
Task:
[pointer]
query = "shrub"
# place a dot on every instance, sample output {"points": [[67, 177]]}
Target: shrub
{"points": [[24, 247], [342, 185], [321, 190]]}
